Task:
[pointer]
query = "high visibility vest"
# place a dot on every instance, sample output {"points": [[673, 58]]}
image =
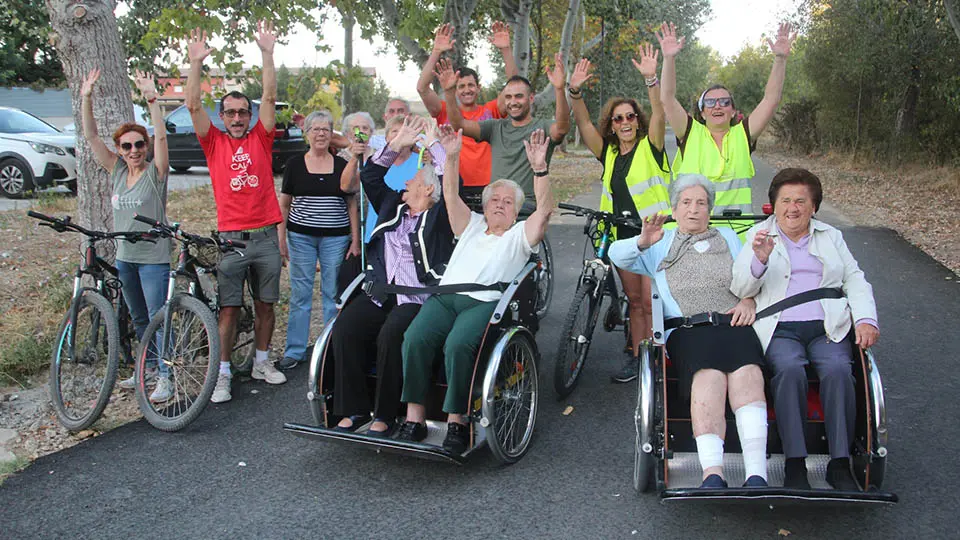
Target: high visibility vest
{"points": [[730, 170], [646, 181]]}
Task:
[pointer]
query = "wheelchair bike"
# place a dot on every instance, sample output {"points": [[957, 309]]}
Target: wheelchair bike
{"points": [[665, 451], [504, 391]]}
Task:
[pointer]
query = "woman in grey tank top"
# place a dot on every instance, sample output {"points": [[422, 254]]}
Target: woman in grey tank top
{"points": [[139, 187]]}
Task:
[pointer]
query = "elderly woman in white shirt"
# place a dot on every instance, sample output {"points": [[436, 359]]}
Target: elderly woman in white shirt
{"points": [[793, 253]]}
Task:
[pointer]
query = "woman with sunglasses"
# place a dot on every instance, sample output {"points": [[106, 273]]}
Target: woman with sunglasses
{"points": [[139, 187], [634, 172], [718, 145]]}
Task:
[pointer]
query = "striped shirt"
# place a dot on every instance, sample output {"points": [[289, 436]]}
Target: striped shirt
{"points": [[401, 268], [319, 206]]}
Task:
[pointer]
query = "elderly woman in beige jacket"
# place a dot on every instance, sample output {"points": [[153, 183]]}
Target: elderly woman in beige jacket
{"points": [[793, 253]]}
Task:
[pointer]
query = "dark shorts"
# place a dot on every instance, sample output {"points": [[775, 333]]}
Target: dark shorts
{"points": [[261, 257]]}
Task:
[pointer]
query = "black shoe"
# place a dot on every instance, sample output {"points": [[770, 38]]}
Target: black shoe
{"points": [[412, 432], [839, 476], [629, 371], [795, 473], [356, 420], [385, 434], [755, 481], [458, 437], [713, 482], [287, 363]]}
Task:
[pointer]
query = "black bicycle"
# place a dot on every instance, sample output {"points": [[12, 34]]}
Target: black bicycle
{"points": [[184, 336], [96, 333]]}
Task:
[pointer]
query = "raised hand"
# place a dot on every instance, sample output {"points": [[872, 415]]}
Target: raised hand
{"points": [[86, 88], [451, 140], [443, 40], [197, 48], [412, 127], [785, 40], [762, 246], [647, 66], [446, 75], [536, 149], [146, 84], [556, 75], [500, 35], [652, 230], [581, 74], [266, 36], [670, 43]]}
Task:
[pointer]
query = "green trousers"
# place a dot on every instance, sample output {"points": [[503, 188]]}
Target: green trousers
{"points": [[454, 323]]}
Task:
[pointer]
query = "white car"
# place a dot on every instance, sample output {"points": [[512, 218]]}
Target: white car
{"points": [[33, 154]]}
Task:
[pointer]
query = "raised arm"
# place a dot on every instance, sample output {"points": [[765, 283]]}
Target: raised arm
{"points": [[561, 125], [457, 210], [353, 210], [536, 225], [591, 136], [500, 40], [448, 81], [161, 155], [767, 107], [671, 45], [266, 39], [647, 66], [442, 42], [350, 177], [101, 153], [197, 50]]}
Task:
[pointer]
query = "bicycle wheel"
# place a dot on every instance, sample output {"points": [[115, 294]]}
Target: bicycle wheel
{"points": [[245, 345], [80, 384], [510, 395], [545, 279], [575, 337], [193, 360]]}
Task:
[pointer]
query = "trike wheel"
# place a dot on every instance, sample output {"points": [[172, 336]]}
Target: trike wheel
{"points": [[575, 337], [644, 421], [545, 279], [314, 390], [510, 392]]}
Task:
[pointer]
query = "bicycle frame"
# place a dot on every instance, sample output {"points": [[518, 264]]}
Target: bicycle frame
{"points": [[97, 268]]}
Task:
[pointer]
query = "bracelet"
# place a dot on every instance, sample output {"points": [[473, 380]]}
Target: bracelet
{"points": [[652, 81], [576, 96], [574, 92], [542, 173]]}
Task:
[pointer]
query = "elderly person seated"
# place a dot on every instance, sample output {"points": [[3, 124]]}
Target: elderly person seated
{"points": [[692, 267], [793, 253], [373, 324], [492, 248]]}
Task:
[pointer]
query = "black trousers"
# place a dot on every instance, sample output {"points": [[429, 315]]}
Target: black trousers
{"points": [[364, 331]]}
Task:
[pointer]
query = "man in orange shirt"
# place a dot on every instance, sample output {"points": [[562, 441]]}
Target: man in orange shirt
{"points": [[474, 156]]}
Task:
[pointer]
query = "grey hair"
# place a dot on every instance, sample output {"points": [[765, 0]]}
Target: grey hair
{"points": [[315, 116], [429, 176], [688, 180], [396, 98], [503, 182], [365, 116]]}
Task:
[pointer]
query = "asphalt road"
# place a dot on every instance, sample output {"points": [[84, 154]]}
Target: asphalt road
{"points": [[235, 473]]}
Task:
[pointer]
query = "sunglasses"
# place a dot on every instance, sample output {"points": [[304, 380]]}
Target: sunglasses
{"points": [[621, 118], [242, 113], [130, 146], [709, 103]]}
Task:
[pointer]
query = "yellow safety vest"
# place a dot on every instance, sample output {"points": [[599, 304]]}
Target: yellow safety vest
{"points": [[730, 170], [646, 180]]}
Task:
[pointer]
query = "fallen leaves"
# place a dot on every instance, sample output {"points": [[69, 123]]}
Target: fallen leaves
{"points": [[568, 410]]}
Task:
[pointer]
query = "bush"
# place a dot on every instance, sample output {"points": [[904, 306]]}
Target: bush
{"points": [[795, 126]]}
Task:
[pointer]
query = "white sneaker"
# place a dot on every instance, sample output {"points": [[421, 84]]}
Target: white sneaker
{"points": [[163, 392], [221, 393], [131, 383], [267, 372]]}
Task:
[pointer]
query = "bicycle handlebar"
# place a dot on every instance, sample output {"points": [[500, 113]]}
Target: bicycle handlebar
{"points": [[66, 224], [636, 222], [174, 231]]}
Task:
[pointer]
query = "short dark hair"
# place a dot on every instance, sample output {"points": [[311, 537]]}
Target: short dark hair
{"points": [[520, 79], [467, 72], [797, 176], [236, 95]]}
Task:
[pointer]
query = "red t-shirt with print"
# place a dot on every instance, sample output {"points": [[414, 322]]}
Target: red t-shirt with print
{"points": [[474, 156], [241, 171]]}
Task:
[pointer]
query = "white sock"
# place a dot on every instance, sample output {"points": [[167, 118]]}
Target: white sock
{"points": [[225, 368], [261, 357], [710, 450], [752, 428]]}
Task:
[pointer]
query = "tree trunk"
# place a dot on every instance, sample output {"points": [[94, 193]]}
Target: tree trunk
{"points": [[516, 13], [953, 14], [391, 17], [547, 95], [458, 13], [346, 96], [86, 36], [906, 124]]}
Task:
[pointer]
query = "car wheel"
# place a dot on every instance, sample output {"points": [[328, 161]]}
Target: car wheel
{"points": [[180, 168], [16, 179], [72, 186]]}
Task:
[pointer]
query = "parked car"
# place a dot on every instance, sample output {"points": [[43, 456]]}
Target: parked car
{"points": [[33, 154], [185, 151], [140, 116]]}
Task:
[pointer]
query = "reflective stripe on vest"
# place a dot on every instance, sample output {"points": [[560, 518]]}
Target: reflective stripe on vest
{"points": [[730, 171], [645, 181]]}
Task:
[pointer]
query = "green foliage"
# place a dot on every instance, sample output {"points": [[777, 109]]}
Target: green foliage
{"points": [[746, 76], [796, 125], [26, 56], [367, 94]]}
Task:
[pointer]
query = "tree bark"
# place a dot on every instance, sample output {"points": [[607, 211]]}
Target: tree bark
{"points": [[516, 13], [346, 94], [391, 17], [547, 95], [458, 13], [953, 14], [86, 36]]}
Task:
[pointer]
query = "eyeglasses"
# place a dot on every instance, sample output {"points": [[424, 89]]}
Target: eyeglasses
{"points": [[320, 130], [242, 113], [129, 146], [710, 102], [621, 118]]}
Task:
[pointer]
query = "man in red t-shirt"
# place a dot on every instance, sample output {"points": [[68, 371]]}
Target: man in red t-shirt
{"points": [[474, 156], [240, 163]]}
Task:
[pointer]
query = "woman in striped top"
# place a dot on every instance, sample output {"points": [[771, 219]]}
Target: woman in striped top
{"points": [[322, 225]]}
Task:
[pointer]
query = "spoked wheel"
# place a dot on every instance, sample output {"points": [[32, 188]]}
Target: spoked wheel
{"points": [[644, 421], [510, 393], [192, 361], [545, 279], [81, 381], [245, 346], [575, 337], [314, 390]]}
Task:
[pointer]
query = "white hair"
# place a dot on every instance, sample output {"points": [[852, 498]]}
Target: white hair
{"points": [[365, 116], [429, 176], [503, 182], [688, 180], [317, 116], [395, 98]]}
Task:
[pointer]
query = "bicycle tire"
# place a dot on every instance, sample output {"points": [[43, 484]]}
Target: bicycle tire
{"points": [[189, 314], [245, 343], [93, 371], [576, 334], [545, 279]]}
